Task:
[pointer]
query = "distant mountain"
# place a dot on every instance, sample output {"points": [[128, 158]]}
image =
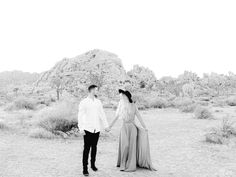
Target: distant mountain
{"points": [[17, 78]]}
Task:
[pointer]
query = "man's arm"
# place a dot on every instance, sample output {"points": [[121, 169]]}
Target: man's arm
{"points": [[81, 116]]}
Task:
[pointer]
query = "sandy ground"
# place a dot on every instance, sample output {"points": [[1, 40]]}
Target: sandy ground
{"points": [[177, 148]]}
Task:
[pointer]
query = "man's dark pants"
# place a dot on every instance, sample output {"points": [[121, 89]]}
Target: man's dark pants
{"points": [[90, 141]]}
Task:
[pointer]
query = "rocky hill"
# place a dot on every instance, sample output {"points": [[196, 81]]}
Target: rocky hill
{"points": [[93, 67], [17, 77]]}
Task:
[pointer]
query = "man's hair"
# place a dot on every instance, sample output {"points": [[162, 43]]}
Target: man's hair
{"points": [[92, 87]]}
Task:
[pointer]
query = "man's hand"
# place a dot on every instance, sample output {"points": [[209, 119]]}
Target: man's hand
{"points": [[108, 129], [82, 133]]}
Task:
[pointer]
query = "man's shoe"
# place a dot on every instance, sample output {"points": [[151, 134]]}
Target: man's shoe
{"points": [[94, 168], [85, 172]]}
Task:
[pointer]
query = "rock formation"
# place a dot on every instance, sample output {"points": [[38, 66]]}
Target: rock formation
{"points": [[94, 67]]}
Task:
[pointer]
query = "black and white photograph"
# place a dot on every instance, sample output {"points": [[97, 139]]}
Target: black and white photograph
{"points": [[117, 88]]}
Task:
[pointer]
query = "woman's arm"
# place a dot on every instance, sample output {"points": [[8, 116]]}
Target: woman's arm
{"points": [[116, 116], [140, 118], [114, 121]]}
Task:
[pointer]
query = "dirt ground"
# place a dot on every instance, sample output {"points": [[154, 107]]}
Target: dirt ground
{"points": [[177, 149]]}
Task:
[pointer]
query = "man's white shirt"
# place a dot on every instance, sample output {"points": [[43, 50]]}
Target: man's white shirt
{"points": [[91, 116]]}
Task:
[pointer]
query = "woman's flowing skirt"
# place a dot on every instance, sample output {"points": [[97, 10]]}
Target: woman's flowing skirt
{"points": [[143, 150], [133, 148]]}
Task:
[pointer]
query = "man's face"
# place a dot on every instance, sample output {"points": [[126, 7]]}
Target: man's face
{"points": [[94, 91]]}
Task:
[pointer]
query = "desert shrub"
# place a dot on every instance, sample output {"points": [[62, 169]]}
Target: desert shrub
{"points": [[203, 103], [202, 113], [158, 102], [45, 100], [222, 133], [41, 133], [60, 117], [188, 108], [181, 102], [231, 101], [3, 126], [22, 103], [152, 100], [220, 102]]}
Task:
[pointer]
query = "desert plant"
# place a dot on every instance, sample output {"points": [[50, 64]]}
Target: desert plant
{"points": [[158, 102], [188, 108], [222, 133], [41, 133], [3, 126], [231, 101], [60, 117], [181, 102], [22, 103], [150, 100], [202, 113]]}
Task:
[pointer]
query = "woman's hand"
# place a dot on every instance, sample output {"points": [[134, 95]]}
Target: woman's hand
{"points": [[108, 129]]}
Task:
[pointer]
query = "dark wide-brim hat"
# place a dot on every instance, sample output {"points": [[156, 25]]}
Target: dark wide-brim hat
{"points": [[127, 93]]}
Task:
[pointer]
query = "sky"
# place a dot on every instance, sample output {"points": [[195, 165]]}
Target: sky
{"points": [[166, 36]]}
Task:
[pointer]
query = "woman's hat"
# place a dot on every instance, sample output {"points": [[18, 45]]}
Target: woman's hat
{"points": [[127, 93]]}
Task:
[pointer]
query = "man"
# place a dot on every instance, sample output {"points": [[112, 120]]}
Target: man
{"points": [[91, 120]]}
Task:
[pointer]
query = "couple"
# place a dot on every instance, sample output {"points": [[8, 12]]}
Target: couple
{"points": [[133, 142]]}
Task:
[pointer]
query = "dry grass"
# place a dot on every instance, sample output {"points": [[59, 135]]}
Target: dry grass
{"points": [[152, 100], [3, 126], [231, 101], [202, 113], [176, 142], [181, 102], [188, 108], [22, 103], [221, 134], [41, 133]]}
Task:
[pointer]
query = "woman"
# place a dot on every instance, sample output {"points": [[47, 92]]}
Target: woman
{"points": [[133, 142]]}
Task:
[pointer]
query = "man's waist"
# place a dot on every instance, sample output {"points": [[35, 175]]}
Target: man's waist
{"points": [[92, 130]]}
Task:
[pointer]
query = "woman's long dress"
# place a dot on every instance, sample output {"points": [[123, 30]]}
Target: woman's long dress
{"points": [[134, 148]]}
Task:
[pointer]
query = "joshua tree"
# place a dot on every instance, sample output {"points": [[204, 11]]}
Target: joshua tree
{"points": [[57, 83], [16, 89]]}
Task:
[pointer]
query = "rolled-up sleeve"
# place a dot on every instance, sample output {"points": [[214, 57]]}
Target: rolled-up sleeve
{"points": [[81, 116]]}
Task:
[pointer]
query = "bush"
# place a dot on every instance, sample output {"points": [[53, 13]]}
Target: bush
{"points": [[202, 113], [179, 102], [188, 108], [221, 134], [220, 102], [41, 133], [231, 101], [22, 103], [45, 100], [158, 102], [151, 100], [60, 117], [3, 126]]}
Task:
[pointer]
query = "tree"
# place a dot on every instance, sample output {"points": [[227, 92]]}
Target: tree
{"points": [[142, 77], [15, 90], [57, 83], [188, 77], [215, 81], [188, 90]]}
